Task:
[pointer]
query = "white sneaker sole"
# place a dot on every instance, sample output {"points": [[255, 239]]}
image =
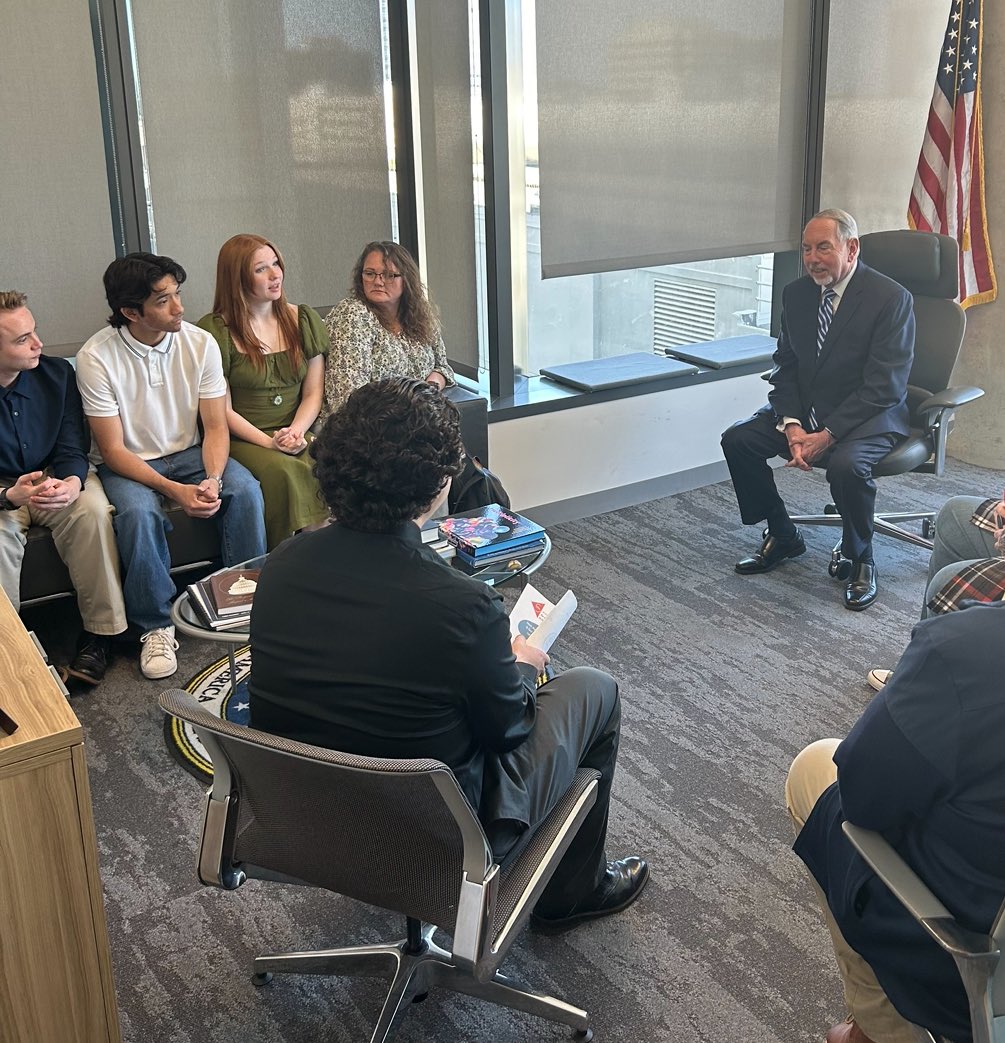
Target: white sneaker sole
{"points": [[877, 679], [159, 673]]}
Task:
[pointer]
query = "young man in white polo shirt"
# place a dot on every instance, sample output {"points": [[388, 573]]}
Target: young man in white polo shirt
{"points": [[146, 382]]}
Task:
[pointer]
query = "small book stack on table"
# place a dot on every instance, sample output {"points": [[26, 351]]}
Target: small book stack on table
{"points": [[491, 535], [223, 599], [431, 538]]}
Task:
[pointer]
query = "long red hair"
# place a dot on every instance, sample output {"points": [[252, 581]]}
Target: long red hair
{"points": [[230, 301]]}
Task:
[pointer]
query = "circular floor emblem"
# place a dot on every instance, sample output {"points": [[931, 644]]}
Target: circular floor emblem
{"points": [[214, 689]]}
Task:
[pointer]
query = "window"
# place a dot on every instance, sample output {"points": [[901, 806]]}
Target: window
{"points": [[264, 117], [649, 307]]}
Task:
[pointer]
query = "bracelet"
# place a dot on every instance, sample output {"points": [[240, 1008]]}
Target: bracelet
{"points": [[218, 478]]}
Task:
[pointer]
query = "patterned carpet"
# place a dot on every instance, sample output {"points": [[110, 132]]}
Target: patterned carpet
{"points": [[723, 679]]}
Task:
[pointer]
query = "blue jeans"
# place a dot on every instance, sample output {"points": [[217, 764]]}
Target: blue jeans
{"points": [[141, 529]]}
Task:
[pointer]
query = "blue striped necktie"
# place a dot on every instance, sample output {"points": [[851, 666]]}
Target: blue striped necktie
{"points": [[824, 317]]}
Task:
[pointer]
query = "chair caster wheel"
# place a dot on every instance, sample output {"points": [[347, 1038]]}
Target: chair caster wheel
{"points": [[258, 980], [928, 528], [830, 509], [419, 997], [839, 568], [584, 1034]]}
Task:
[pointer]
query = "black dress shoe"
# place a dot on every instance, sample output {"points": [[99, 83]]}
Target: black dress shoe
{"points": [[91, 661], [622, 884], [861, 590], [773, 551]]}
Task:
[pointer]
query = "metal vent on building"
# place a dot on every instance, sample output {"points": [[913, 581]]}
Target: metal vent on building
{"points": [[683, 313]]}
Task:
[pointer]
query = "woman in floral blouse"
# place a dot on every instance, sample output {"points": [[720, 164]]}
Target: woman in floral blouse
{"points": [[385, 328]]}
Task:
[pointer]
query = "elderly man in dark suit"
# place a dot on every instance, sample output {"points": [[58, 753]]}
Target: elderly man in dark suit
{"points": [[838, 400]]}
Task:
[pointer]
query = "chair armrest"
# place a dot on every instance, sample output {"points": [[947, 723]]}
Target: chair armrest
{"points": [[896, 874], [951, 398]]}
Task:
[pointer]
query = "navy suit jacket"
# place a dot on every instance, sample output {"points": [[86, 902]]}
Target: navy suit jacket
{"points": [[925, 766], [858, 385]]}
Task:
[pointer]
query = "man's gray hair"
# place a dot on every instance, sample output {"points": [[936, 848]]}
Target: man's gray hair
{"points": [[846, 226]]}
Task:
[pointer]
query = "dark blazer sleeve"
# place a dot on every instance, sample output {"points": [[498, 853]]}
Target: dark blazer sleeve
{"points": [[502, 694], [887, 365], [73, 440], [784, 396]]}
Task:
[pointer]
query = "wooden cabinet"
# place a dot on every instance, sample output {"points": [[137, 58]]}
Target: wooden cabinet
{"points": [[55, 969]]}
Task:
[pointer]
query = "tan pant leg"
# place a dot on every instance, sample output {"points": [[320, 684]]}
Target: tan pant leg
{"points": [[811, 773], [85, 539], [13, 527]]}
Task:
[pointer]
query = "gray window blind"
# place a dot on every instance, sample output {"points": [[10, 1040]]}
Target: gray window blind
{"points": [[669, 131], [57, 228], [264, 116]]}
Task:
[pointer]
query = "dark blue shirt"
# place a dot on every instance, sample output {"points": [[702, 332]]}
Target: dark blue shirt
{"points": [[925, 766], [42, 423]]}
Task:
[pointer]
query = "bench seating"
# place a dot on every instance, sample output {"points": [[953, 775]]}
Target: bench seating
{"points": [[193, 541]]}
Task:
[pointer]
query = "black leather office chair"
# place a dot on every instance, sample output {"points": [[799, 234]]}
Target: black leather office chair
{"points": [[977, 956], [927, 265], [397, 834]]}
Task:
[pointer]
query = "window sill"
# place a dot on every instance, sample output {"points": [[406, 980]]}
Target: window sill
{"points": [[536, 395]]}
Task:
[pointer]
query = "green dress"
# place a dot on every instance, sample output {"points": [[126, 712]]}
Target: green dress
{"points": [[268, 398]]}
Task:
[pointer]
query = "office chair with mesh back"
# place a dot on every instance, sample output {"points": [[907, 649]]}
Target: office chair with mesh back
{"points": [[397, 834], [927, 265], [977, 956]]}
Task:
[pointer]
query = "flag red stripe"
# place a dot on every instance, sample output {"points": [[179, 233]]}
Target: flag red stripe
{"points": [[949, 196]]}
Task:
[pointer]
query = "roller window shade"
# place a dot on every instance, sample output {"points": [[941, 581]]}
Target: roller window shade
{"points": [[57, 229], [266, 117], [669, 131]]}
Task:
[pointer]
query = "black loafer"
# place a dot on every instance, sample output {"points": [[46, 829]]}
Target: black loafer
{"points": [[91, 661], [771, 554], [622, 884], [861, 590]]}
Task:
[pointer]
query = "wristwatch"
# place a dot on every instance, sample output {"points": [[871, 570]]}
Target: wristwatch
{"points": [[5, 504], [218, 478]]}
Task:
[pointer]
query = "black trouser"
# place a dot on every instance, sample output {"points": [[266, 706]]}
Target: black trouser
{"points": [[578, 726], [749, 444]]}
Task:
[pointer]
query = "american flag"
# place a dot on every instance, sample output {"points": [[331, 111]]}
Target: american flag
{"points": [[948, 192]]}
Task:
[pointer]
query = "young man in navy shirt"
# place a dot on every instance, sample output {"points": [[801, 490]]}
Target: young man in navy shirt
{"points": [[45, 480]]}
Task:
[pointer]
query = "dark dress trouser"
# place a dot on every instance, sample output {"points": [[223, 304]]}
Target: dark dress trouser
{"points": [[749, 444], [578, 725]]}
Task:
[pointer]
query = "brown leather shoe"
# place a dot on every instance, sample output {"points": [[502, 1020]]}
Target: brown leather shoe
{"points": [[847, 1032]]}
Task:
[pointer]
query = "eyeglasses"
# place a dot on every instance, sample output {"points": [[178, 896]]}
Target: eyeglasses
{"points": [[371, 276]]}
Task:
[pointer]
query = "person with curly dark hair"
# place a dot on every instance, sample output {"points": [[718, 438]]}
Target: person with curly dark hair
{"points": [[364, 640], [386, 327]]}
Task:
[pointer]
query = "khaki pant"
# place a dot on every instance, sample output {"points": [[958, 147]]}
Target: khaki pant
{"points": [[811, 773], [85, 541]]}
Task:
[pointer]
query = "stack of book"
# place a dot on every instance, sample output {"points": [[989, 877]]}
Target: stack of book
{"points": [[431, 538], [492, 535], [223, 600]]}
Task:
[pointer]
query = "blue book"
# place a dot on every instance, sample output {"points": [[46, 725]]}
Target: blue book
{"points": [[489, 530], [531, 546]]}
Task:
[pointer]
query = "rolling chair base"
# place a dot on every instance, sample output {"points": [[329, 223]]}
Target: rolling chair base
{"points": [[885, 524], [414, 973]]}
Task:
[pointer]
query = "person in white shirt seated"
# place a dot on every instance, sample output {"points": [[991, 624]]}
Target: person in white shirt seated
{"points": [[147, 382]]}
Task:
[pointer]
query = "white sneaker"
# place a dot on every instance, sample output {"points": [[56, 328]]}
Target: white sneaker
{"points": [[876, 679], [157, 656]]}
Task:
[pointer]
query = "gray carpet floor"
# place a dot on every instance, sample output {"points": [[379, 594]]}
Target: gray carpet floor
{"points": [[723, 679]]}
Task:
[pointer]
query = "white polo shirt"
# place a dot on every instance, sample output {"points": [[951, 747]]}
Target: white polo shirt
{"points": [[154, 391]]}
